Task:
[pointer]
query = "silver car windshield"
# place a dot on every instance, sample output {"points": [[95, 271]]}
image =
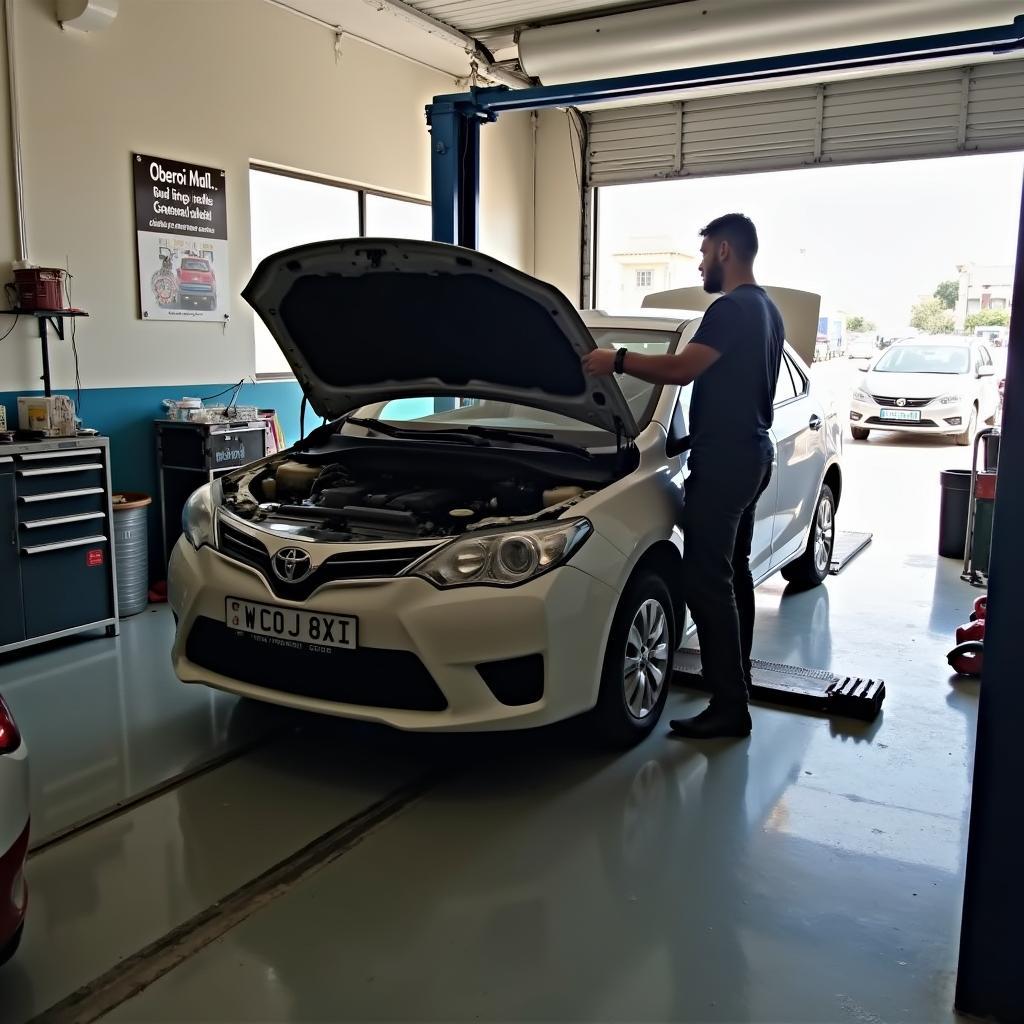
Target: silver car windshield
{"points": [[925, 359], [463, 412]]}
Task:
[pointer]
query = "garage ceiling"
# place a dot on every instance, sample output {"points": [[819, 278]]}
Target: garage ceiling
{"points": [[394, 24]]}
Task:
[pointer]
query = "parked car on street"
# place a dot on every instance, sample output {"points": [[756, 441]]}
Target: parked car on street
{"points": [[942, 385], [14, 826], [861, 348], [197, 283], [480, 537]]}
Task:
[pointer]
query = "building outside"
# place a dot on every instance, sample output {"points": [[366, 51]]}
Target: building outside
{"points": [[982, 287], [647, 265]]}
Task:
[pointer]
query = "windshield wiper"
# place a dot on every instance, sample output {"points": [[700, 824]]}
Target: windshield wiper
{"points": [[474, 435], [390, 430]]}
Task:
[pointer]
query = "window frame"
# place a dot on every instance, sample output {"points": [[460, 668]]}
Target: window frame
{"points": [[361, 191]]}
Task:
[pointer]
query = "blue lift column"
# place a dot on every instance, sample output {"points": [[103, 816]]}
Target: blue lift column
{"points": [[455, 167]]}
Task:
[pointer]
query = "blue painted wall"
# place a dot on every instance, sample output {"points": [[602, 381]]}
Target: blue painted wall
{"points": [[126, 416]]}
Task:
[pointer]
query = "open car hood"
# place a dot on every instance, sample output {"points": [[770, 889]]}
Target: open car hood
{"points": [[799, 311], [366, 320]]}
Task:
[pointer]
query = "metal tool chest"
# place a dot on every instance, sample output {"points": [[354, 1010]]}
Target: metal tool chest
{"points": [[57, 573]]}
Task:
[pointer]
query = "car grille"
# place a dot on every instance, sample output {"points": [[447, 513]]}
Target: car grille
{"points": [[908, 403], [877, 421], [358, 564], [368, 676]]}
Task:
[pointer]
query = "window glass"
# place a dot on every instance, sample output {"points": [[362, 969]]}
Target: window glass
{"points": [[784, 390], [286, 211], [799, 380], [388, 217]]}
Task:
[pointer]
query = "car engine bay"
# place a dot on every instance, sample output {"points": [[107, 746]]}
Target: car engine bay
{"points": [[347, 499]]}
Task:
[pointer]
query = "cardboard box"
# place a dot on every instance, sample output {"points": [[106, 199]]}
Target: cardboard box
{"points": [[54, 416]]}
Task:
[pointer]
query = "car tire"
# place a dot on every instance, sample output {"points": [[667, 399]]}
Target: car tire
{"points": [[8, 951], [812, 567], [967, 437], [643, 634], [860, 433]]}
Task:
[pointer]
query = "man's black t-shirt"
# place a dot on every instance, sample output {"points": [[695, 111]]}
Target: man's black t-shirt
{"points": [[733, 401]]}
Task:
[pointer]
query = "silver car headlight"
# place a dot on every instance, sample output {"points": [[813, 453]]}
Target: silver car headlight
{"points": [[503, 559], [860, 395], [197, 522], [949, 400]]}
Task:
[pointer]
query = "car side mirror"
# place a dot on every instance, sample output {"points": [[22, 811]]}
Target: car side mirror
{"points": [[986, 371]]}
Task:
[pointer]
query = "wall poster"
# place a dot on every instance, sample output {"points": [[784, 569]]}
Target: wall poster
{"points": [[181, 225]]}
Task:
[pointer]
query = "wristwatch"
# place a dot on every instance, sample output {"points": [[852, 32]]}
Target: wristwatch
{"points": [[620, 360]]}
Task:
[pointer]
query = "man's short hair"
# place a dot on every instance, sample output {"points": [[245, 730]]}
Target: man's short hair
{"points": [[738, 230]]}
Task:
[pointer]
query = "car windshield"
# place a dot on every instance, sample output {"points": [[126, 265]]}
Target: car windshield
{"points": [[194, 265], [489, 412], [925, 359]]}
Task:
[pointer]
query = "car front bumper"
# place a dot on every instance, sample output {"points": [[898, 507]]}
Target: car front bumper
{"points": [[933, 418], [420, 648]]}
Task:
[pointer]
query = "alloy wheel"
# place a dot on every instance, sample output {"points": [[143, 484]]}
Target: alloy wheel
{"points": [[824, 533], [645, 667]]}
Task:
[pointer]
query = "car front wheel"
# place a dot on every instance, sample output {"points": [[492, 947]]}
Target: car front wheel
{"points": [[967, 436], [637, 663], [811, 568], [860, 433]]}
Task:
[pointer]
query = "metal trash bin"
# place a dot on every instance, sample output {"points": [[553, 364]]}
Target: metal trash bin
{"points": [[131, 552], [953, 512]]}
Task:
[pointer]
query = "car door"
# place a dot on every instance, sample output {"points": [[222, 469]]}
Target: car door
{"points": [[799, 454], [988, 384]]}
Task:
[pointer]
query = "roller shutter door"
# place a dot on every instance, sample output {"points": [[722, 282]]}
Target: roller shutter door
{"points": [[895, 117]]}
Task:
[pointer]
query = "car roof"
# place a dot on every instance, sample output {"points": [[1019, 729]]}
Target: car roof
{"points": [[596, 318]]}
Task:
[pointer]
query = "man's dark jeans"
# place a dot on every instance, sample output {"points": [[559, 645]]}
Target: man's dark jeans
{"points": [[718, 526]]}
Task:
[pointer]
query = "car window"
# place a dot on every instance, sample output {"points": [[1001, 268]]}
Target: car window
{"points": [[784, 389], [194, 265], [986, 356], [953, 359], [799, 380]]}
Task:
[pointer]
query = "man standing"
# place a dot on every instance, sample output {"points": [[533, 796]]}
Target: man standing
{"points": [[733, 362]]}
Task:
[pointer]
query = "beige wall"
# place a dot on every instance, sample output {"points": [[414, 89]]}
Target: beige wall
{"points": [[216, 82], [557, 238]]}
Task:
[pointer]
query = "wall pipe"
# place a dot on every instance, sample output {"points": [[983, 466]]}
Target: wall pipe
{"points": [[19, 176]]}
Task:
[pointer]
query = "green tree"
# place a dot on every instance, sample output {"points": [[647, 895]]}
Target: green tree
{"points": [[931, 317], [987, 318], [859, 324], [947, 293]]}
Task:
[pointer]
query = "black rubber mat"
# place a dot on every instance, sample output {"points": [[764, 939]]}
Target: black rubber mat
{"points": [[848, 546], [808, 689]]}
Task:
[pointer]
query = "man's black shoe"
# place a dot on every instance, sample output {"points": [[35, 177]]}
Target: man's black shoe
{"points": [[714, 722]]}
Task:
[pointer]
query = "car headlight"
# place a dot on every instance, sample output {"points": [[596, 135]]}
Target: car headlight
{"points": [[860, 395], [503, 559], [949, 400], [197, 516]]}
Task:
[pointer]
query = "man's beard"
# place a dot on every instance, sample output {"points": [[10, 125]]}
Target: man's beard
{"points": [[713, 279]]}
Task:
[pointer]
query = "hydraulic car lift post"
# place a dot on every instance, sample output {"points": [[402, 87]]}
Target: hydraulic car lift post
{"points": [[987, 984]]}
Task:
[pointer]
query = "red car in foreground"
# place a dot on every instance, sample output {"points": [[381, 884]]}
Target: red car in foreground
{"points": [[14, 825]]}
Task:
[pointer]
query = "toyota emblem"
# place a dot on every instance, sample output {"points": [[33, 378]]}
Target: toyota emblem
{"points": [[292, 565], [901, 402]]}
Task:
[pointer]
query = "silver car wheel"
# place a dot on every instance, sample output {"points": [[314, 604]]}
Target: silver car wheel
{"points": [[824, 532], [645, 667]]}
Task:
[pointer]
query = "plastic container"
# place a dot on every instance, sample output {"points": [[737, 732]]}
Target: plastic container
{"points": [[131, 552], [954, 507]]}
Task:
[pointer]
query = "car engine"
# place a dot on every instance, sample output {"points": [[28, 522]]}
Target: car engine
{"points": [[337, 502]]}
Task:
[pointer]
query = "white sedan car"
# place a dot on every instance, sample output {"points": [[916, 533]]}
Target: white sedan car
{"points": [[942, 385], [14, 824], [479, 536]]}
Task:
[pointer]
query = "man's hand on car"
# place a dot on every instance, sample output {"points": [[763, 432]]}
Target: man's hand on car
{"points": [[600, 362]]}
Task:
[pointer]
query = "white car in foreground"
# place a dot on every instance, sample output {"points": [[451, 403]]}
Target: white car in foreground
{"points": [[480, 537], [942, 385], [14, 825]]}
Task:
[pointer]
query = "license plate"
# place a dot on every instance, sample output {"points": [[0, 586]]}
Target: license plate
{"points": [[902, 415], [289, 627]]}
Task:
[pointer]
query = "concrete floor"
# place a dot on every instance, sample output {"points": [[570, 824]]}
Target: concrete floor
{"points": [[812, 873]]}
